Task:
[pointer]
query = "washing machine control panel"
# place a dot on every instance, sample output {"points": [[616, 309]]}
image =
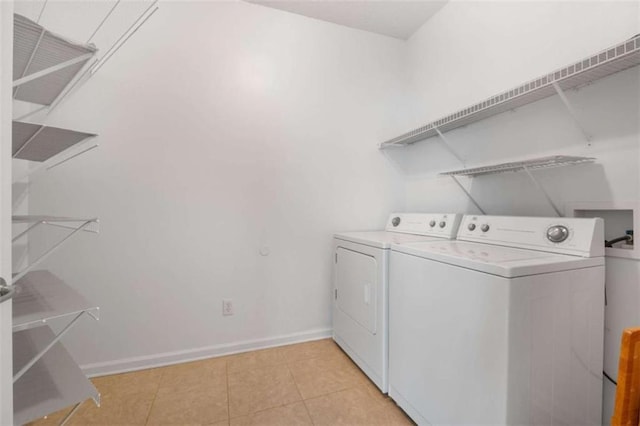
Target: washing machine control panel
{"points": [[575, 236], [437, 224]]}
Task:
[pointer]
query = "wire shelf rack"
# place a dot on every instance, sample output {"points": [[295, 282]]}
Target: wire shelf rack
{"points": [[518, 166], [36, 142], [40, 296], [44, 63], [612, 60], [52, 383]]}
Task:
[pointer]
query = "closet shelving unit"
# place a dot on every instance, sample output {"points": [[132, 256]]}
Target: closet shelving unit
{"points": [[519, 166], [609, 61], [46, 378], [45, 64], [38, 142], [602, 64]]}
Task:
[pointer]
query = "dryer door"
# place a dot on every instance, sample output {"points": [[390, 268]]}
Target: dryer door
{"points": [[356, 276]]}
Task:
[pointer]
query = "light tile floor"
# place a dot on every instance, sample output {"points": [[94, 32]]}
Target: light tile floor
{"points": [[311, 383]]}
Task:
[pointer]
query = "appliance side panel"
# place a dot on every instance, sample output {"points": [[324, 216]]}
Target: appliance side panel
{"points": [[447, 341], [556, 332]]}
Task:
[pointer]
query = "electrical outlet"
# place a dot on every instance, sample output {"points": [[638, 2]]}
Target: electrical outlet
{"points": [[227, 307]]}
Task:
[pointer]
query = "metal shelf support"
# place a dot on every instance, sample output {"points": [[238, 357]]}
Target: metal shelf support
{"points": [[40, 354], [541, 189], [46, 254], [468, 194], [51, 69], [33, 54], [448, 146], [572, 111]]}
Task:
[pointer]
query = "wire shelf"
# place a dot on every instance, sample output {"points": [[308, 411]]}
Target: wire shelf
{"points": [[44, 63], [35, 142], [617, 58], [73, 224], [517, 166], [52, 383], [41, 296]]}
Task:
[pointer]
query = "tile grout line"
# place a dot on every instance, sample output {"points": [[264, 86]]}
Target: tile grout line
{"points": [[226, 370], [155, 395], [300, 393]]}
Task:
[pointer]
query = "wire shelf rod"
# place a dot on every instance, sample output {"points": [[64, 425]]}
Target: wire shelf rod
{"points": [[541, 189], [40, 354], [103, 21], [51, 250], [33, 54], [52, 69], [468, 194], [124, 37], [571, 110]]}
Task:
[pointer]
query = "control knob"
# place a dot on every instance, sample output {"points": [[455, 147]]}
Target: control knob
{"points": [[557, 233], [432, 223], [484, 227], [395, 221], [443, 224], [471, 227]]}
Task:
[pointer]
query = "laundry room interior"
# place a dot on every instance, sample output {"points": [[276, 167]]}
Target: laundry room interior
{"points": [[206, 206]]}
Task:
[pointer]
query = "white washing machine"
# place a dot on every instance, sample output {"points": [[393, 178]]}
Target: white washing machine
{"points": [[360, 305], [502, 326]]}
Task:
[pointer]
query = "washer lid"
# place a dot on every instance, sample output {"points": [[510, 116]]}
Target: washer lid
{"points": [[382, 239], [503, 261]]}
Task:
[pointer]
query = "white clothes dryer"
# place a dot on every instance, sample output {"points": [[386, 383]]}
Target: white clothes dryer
{"points": [[360, 305], [502, 326]]}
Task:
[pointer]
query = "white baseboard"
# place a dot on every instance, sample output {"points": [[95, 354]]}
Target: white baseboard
{"points": [[168, 358]]}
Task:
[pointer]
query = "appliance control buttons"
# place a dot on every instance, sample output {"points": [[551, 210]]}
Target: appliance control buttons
{"points": [[443, 224], [471, 227], [484, 227], [557, 233], [432, 223], [395, 221]]}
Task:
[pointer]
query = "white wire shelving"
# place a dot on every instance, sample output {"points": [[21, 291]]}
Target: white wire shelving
{"points": [[46, 69], [612, 60], [54, 382], [37, 142], [44, 63], [519, 166], [73, 224], [40, 296]]}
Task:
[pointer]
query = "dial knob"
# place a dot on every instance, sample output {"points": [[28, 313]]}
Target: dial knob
{"points": [[432, 223], [484, 227], [557, 233], [395, 221], [471, 227], [443, 224]]}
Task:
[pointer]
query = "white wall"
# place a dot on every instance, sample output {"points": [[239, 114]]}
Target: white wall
{"points": [[225, 128], [470, 51]]}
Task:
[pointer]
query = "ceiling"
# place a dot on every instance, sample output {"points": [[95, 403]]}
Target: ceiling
{"points": [[394, 18]]}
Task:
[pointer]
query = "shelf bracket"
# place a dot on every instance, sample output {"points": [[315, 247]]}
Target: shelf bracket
{"points": [[40, 354], [46, 167], [72, 84], [468, 194], [52, 69], [448, 146], [541, 189], [36, 262], [572, 112]]}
